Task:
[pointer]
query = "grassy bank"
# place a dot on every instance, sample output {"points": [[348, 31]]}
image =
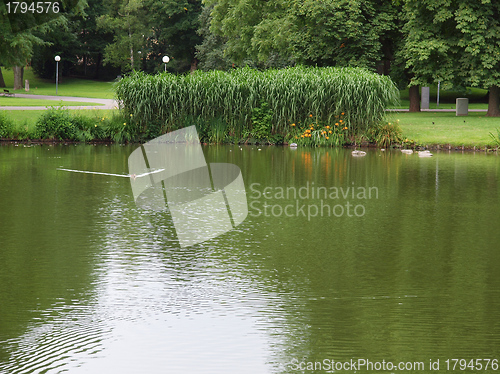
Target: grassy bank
{"points": [[420, 129], [67, 86], [443, 128], [61, 124]]}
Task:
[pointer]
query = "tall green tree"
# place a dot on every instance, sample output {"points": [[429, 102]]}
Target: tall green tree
{"points": [[456, 42], [253, 29], [92, 40], [210, 52], [341, 32], [313, 32], [479, 25], [127, 20], [21, 30], [174, 25]]}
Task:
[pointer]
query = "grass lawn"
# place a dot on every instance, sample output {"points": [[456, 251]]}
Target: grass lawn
{"points": [[67, 87], [20, 101], [428, 128]]}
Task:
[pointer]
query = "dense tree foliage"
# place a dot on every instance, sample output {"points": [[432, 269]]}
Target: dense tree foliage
{"points": [[417, 42], [456, 42], [126, 19], [174, 25], [312, 32], [21, 31]]}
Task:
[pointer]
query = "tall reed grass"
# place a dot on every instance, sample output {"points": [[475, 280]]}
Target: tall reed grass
{"points": [[293, 94]]}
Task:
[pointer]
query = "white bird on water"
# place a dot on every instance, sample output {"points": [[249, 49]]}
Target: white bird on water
{"points": [[407, 151], [358, 153], [425, 154]]}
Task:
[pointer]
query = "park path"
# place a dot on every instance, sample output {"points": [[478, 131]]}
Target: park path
{"points": [[113, 104], [103, 103], [435, 110]]}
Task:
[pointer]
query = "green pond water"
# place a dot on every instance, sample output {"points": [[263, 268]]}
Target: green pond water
{"points": [[405, 270]]}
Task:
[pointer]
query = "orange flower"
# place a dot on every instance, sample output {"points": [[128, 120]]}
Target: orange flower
{"points": [[327, 138], [330, 131], [341, 121], [293, 124], [302, 136], [342, 113], [327, 127], [310, 115], [336, 124], [345, 128]]}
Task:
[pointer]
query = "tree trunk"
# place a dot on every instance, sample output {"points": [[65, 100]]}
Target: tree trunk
{"points": [[494, 102], [2, 82], [194, 65], [98, 66], [131, 49], [18, 77], [414, 99]]}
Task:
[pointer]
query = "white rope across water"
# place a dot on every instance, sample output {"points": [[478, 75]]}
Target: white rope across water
{"points": [[113, 175]]}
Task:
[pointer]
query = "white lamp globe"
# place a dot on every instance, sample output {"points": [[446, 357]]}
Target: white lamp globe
{"points": [[57, 58], [166, 59]]}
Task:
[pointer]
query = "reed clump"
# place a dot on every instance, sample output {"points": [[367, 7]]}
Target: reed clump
{"points": [[163, 102]]}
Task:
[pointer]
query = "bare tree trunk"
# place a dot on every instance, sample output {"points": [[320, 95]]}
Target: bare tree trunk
{"points": [[18, 77], [194, 65], [131, 49], [414, 99], [98, 65], [494, 102], [2, 82]]}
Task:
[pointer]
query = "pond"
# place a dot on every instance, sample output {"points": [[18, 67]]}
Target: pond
{"points": [[388, 258]]}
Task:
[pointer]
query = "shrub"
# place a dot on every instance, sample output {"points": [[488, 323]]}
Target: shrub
{"points": [[6, 126], [262, 124], [385, 134], [56, 123], [119, 129]]}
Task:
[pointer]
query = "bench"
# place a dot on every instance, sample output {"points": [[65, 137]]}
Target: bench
{"points": [[8, 93]]}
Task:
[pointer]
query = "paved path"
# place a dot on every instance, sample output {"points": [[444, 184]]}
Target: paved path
{"points": [[435, 110], [112, 104], [104, 103]]}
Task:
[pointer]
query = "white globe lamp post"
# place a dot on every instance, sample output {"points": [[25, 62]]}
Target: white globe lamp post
{"points": [[57, 58], [166, 59]]}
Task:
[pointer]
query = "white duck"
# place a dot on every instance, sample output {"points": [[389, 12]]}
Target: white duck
{"points": [[425, 154], [358, 153]]}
